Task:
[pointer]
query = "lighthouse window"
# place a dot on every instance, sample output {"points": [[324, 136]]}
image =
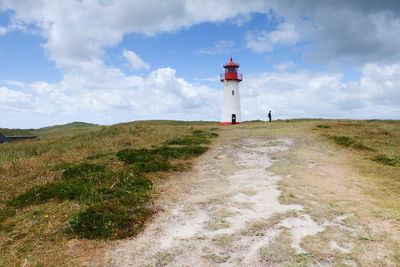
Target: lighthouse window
{"points": [[230, 70], [233, 92]]}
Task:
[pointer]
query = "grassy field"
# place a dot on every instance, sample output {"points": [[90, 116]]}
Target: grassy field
{"points": [[64, 194], [79, 184], [375, 147]]}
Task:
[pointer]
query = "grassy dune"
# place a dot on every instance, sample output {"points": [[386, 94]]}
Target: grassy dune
{"points": [[86, 181]]}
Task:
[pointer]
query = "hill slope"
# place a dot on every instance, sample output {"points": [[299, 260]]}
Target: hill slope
{"points": [[68, 129]]}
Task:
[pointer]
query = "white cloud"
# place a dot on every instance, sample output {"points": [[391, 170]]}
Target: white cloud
{"points": [[220, 47], [355, 32], [323, 94], [3, 30], [12, 101], [75, 31], [78, 31], [110, 92], [135, 62], [286, 34], [284, 66], [14, 83]]}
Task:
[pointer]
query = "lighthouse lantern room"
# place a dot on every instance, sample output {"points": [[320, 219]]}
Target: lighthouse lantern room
{"points": [[231, 99]]}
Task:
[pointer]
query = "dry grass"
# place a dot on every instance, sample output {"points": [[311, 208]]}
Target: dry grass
{"points": [[339, 171], [36, 235]]}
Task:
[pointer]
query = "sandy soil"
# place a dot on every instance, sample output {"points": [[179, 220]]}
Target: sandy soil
{"points": [[229, 211]]}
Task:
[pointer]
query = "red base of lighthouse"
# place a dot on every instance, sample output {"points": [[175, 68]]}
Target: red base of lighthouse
{"points": [[228, 123]]}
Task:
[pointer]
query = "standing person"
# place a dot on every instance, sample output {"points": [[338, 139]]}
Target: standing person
{"points": [[269, 116]]}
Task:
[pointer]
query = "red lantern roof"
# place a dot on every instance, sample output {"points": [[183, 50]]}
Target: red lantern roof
{"points": [[231, 64]]}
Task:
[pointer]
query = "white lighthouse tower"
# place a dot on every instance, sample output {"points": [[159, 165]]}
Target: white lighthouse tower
{"points": [[231, 103]]}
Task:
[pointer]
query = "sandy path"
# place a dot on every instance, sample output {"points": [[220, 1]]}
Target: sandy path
{"points": [[228, 215]]}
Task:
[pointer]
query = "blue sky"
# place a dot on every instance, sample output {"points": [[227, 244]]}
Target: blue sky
{"points": [[109, 62]]}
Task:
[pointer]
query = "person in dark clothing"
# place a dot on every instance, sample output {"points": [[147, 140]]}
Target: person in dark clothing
{"points": [[269, 116]]}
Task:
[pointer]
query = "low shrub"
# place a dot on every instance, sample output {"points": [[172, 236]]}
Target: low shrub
{"points": [[188, 141], [343, 140], [87, 191], [184, 152], [84, 171], [160, 154], [136, 155], [362, 147], [385, 160], [203, 133], [5, 213], [198, 137], [154, 166], [74, 189], [323, 126], [108, 219]]}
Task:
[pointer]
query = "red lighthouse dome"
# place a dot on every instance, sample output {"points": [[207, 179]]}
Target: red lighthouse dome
{"points": [[231, 72]]}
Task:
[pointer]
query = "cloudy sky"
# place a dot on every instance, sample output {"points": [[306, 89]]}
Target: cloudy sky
{"points": [[104, 61]]}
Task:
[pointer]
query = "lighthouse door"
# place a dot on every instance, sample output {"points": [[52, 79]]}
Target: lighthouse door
{"points": [[233, 118]]}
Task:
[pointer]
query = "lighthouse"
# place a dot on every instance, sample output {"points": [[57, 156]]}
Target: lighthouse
{"points": [[231, 99]]}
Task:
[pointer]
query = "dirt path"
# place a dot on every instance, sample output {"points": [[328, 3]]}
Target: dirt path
{"points": [[224, 217], [229, 211]]}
